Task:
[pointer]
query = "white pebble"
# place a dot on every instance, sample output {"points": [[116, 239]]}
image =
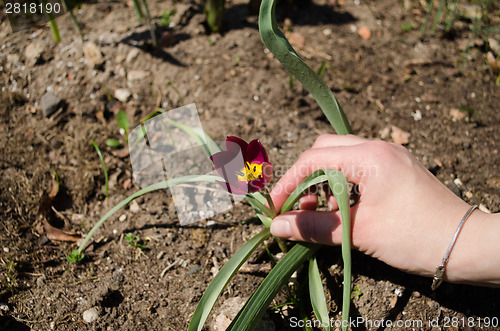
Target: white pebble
{"points": [[90, 315]]}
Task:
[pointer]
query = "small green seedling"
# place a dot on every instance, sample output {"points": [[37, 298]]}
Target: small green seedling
{"points": [[104, 168], [166, 17], [356, 292], [407, 26], [123, 121], [135, 241]]}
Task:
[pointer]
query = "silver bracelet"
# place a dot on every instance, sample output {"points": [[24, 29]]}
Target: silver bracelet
{"points": [[438, 276]]}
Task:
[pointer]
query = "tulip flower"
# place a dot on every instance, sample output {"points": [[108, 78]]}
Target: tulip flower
{"points": [[244, 166]]}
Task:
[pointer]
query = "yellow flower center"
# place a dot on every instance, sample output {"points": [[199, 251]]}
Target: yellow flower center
{"points": [[250, 172]]}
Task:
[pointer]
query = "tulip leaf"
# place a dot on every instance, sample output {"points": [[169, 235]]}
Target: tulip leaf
{"points": [[222, 278], [317, 295], [258, 204], [251, 313], [154, 187], [266, 220], [313, 179], [277, 43], [340, 189], [122, 121]]}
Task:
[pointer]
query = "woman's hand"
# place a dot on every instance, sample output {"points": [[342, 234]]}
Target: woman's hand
{"points": [[405, 216]]}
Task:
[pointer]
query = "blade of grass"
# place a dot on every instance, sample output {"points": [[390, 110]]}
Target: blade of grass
{"points": [[154, 187], [317, 294], [150, 22], [340, 189], [137, 10], [251, 313], [104, 168], [73, 18], [222, 278]]}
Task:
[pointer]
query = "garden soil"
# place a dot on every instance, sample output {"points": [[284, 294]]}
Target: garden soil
{"points": [[434, 93]]}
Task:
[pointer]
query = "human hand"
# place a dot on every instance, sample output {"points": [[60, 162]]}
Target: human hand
{"points": [[405, 216]]}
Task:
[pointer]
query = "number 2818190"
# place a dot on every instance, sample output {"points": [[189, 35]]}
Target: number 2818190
{"points": [[32, 8]]}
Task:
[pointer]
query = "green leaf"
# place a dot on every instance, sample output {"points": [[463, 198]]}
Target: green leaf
{"points": [[104, 168], [277, 43], [122, 121], [222, 278], [317, 294], [251, 313], [154, 187], [113, 143], [313, 179], [266, 220], [340, 189], [258, 204]]}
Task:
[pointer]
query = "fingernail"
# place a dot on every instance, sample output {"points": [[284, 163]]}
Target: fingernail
{"points": [[280, 227]]}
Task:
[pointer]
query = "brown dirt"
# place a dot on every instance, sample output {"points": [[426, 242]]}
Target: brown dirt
{"points": [[384, 81]]}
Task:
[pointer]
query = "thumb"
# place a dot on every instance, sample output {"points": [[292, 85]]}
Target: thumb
{"points": [[311, 226]]}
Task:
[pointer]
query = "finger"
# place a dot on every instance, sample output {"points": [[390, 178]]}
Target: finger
{"points": [[311, 226], [351, 160], [331, 140], [332, 203], [308, 201]]}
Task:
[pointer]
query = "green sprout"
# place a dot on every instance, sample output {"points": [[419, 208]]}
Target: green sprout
{"points": [[135, 241], [104, 168], [166, 17]]}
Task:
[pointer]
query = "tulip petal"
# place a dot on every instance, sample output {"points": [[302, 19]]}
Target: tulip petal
{"points": [[255, 153], [232, 189], [227, 164], [236, 145]]}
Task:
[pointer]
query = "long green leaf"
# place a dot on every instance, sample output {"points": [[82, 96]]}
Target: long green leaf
{"points": [[340, 189], [257, 204], [157, 186], [223, 277], [277, 43], [251, 313], [317, 294], [104, 168], [313, 179]]}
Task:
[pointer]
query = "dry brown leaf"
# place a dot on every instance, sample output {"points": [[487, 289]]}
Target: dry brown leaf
{"points": [[57, 234]]}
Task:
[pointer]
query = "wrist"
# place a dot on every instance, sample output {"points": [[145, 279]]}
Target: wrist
{"points": [[474, 258]]}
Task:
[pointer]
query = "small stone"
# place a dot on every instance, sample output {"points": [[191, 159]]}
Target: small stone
{"points": [[122, 94], [90, 315], [132, 55], [34, 51], [364, 32], [399, 136], [6, 249], [12, 60], [456, 114], [92, 55], [134, 207], [327, 32], [494, 45], [49, 104], [136, 75], [122, 218], [493, 182], [385, 132]]}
